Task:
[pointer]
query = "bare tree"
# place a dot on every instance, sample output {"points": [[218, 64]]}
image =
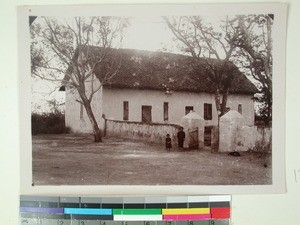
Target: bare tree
{"points": [[201, 40], [63, 52], [255, 54]]}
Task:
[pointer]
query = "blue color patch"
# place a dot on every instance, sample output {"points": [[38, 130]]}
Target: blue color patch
{"points": [[41, 210]]}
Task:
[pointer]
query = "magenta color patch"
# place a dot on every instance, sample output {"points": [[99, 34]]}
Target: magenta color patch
{"points": [[187, 217]]}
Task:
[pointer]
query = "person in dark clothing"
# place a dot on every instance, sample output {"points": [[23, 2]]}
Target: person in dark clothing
{"points": [[168, 142], [180, 137]]}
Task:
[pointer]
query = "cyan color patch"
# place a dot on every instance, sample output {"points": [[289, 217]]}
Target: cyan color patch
{"points": [[86, 211]]}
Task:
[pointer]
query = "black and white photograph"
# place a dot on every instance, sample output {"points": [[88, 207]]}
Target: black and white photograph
{"points": [[153, 99]]}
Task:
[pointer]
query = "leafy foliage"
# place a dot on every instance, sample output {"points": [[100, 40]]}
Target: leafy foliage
{"points": [[48, 123]]}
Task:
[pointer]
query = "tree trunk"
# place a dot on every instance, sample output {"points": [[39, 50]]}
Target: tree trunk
{"points": [[217, 101], [96, 130], [215, 148], [224, 103], [269, 108], [90, 114]]}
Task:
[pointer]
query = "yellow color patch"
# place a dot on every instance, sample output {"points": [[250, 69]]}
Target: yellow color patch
{"points": [[185, 211]]}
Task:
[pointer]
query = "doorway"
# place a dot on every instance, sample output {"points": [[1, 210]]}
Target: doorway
{"points": [[146, 114]]}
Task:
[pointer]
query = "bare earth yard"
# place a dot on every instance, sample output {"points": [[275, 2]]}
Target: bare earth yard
{"points": [[71, 159]]}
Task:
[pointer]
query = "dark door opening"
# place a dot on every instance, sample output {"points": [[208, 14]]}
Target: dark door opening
{"points": [[207, 136], [146, 114]]}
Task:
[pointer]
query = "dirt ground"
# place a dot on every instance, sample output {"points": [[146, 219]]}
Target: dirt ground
{"points": [[71, 159]]}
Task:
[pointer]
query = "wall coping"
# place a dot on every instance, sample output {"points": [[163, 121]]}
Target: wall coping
{"points": [[141, 123]]}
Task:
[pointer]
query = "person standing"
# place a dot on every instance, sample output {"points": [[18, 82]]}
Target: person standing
{"points": [[180, 137], [168, 142]]}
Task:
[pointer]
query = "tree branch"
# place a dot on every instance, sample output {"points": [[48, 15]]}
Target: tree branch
{"points": [[180, 37]]}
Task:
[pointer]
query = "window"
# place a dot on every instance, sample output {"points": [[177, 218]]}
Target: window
{"points": [[207, 111], [240, 108], [166, 111], [125, 110], [146, 114], [188, 109]]}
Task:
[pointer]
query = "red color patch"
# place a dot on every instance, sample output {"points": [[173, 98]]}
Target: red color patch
{"points": [[220, 213]]}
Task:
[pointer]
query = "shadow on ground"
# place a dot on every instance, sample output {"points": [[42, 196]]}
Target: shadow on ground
{"points": [[71, 159]]}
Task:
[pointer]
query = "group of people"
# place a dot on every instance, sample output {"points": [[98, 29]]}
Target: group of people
{"points": [[180, 138]]}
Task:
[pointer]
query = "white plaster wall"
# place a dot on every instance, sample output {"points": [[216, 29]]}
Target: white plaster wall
{"points": [[235, 137], [190, 122], [230, 124], [226, 135], [254, 138], [72, 113], [113, 105], [138, 131], [247, 107]]}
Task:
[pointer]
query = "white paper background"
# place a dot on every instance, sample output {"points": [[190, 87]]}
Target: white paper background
{"points": [[247, 209], [279, 11]]}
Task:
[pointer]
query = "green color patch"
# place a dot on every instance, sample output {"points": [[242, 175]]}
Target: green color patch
{"points": [[136, 211]]}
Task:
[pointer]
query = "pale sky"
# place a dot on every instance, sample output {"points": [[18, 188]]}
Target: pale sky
{"points": [[148, 34], [151, 33]]}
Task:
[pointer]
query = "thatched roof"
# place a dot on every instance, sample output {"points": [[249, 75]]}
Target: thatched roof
{"points": [[139, 69]]}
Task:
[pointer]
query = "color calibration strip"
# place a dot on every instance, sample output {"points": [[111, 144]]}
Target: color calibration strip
{"points": [[191, 210]]}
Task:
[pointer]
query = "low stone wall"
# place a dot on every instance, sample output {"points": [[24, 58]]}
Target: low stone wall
{"points": [[142, 131], [247, 138], [236, 136], [239, 138], [254, 138]]}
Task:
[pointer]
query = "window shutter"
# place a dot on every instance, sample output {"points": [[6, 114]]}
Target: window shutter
{"points": [[188, 109], [166, 111], [146, 114], [207, 111], [125, 110]]}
